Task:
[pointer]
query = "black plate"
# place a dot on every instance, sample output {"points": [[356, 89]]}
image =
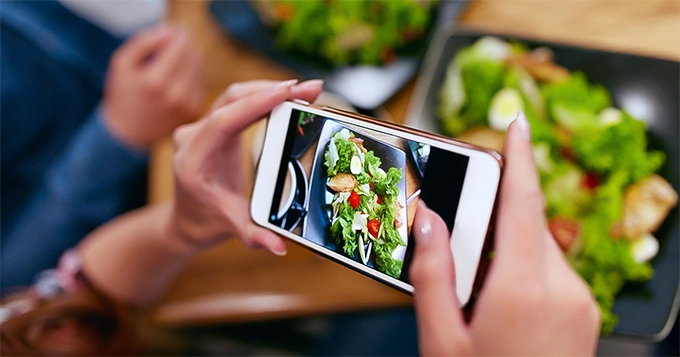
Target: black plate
{"points": [[239, 19], [317, 223], [636, 83]]}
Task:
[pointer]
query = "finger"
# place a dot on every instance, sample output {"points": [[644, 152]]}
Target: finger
{"points": [[170, 59], [266, 239], [241, 90], [521, 220], [188, 86], [136, 50], [307, 90], [234, 208], [219, 127], [433, 278]]}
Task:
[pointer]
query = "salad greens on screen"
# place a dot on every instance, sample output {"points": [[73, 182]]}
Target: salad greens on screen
{"points": [[603, 197], [347, 32], [365, 206]]}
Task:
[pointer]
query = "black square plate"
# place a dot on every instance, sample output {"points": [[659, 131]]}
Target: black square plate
{"points": [[648, 88]]}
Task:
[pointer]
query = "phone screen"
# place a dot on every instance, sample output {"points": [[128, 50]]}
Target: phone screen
{"points": [[355, 190]]}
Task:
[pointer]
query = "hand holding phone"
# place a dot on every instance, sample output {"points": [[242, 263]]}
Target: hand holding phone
{"points": [[210, 204], [532, 301]]}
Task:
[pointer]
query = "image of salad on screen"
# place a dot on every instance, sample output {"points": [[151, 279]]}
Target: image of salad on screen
{"points": [[366, 208], [604, 199], [341, 32]]}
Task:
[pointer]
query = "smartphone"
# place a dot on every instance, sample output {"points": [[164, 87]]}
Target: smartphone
{"points": [[346, 186]]}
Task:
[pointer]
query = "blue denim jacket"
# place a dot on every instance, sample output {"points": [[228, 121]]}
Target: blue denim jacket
{"points": [[63, 174]]}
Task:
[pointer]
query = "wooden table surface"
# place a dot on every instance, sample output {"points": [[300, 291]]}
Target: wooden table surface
{"points": [[231, 283]]}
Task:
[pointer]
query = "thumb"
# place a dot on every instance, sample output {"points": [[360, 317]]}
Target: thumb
{"points": [[433, 277], [262, 238], [136, 50]]}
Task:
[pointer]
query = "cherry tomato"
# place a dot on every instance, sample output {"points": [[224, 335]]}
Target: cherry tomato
{"points": [[379, 200], [354, 200], [590, 181], [373, 227], [370, 184]]}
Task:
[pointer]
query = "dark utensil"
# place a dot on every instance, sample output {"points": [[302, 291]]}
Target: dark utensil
{"points": [[647, 87], [296, 211]]}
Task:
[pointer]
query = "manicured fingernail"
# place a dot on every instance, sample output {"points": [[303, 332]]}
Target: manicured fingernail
{"points": [[424, 233], [424, 228], [523, 125], [284, 84], [312, 83]]}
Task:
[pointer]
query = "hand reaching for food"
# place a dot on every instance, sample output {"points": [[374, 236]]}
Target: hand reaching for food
{"points": [[532, 301]]}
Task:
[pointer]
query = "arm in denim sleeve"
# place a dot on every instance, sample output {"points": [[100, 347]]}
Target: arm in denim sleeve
{"points": [[86, 187]]}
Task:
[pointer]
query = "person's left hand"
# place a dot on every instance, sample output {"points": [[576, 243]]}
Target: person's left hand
{"points": [[210, 204], [154, 83]]}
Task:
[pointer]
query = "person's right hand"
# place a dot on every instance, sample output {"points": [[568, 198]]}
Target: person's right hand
{"points": [[532, 301], [154, 83]]}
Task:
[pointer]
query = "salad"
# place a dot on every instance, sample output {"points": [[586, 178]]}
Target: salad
{"points": [[365, 206], [347, 32], [604, 200]]}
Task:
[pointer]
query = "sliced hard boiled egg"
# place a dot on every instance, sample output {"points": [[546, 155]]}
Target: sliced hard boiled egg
{"points": [[355, 165], [504, 108], [609, 117], [645, 248], [493, 48]]}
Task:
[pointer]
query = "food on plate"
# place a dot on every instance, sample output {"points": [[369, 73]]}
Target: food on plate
{"points": [[366, 211], [645, 205], [603, 200], [342, 183], [348, 32]]}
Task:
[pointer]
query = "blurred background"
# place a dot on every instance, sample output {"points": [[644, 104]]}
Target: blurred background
{"points": [[233, 300]]}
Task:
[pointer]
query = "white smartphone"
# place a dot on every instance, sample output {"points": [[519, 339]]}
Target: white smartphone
{"points": [[346, 186]]}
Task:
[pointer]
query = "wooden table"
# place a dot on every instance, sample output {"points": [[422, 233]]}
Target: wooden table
{"points": [[231, 283]]}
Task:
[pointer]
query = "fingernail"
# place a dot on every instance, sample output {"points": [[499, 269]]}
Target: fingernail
{"points": [[523, 125], [424, 228], [279, 253], [312, 83], [284, 84], [423, 236]]}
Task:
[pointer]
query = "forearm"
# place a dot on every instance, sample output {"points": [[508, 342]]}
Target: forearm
{"points": [[134, 257], [89, 184]]}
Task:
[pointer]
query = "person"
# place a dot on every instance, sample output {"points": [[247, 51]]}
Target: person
{"points": [[75, 134], [532, 301]]}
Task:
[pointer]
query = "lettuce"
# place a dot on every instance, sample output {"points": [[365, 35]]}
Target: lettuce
{"points": [[371, 163], [576, 94], [481, 80], [564, 193], [619, 147], [387, 186], [341, 229], [605, 263], [345, 150]]}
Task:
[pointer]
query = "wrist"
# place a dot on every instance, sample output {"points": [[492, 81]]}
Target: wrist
{"points": [[181, 235], [119, 132]]}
